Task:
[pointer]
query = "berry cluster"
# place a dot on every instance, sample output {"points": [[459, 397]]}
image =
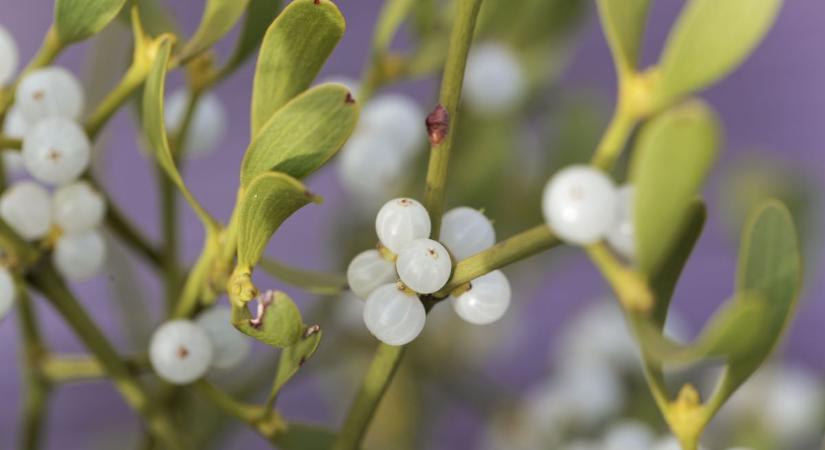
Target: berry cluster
{"points": [[182, 351], [410, 264]]}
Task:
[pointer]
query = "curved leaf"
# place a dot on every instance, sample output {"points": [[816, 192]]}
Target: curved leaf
{"points": [[294, 356], [219, 16], [623, 22], [259, 15], [277, 322], [311, 281], [293, 51], [76, 20], [302, 135], [672, 158], [269, 200], [709, 40]]}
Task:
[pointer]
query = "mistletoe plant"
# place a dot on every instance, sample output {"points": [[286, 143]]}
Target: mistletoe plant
{"points": [[639, 234]]}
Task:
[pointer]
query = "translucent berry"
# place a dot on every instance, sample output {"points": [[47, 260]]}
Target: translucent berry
{"points": [[26, 207], [79, 256], [14, 127], [486, 301], [180, 352], [229, 346], [494, 80], [9, 58], [393, 316], [398, 118], [371, 170], [56, 151], [465, 232], [50, 92], [579, 204], [367, 271], [424, 266], [7, 292], [628, 434], [208, 124], [401, 221], [621, 235], [78, 207]]}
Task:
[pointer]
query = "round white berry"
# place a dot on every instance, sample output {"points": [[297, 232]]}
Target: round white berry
{"points": [[793, 405], [579, 204], [621, 235], [7, 292], [401, 221], [628, 434], [367, 271], [14, 127], [396, 117], [180, 352], [371, 170], [486, 301], [56, 151], [26, 207], [50, 92], [78, 207], [208, 124], [465, 232], [229, 346], [494, 80], [424, 266], [393, 316], [9, 58], [79, 256]]}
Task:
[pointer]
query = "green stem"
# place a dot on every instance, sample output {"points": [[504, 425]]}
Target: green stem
{"points": [[630, 287], [169, 227], [242, 411], [131, 81], [8, 143], [614, 139], [48, 51], [38, 388]]}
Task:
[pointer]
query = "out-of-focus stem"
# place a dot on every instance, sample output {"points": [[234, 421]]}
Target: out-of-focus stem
{"points": [[33, 417]]}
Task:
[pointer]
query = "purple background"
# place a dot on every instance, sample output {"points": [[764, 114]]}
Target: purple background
{"points": [[773, 105]]}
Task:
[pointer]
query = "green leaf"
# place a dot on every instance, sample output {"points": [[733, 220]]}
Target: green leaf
{"points": [[673, 156], [269, 200], [319, 283], [259, 15], [623, 22], [293, 51], [709, 40], [305, 437], [155, 129], [280, 324], [156, 18], [219, 16], [389, 20], [300, 137], [294, 356], [76, 20]]}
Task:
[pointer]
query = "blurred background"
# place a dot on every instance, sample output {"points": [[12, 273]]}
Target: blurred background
{"points": [[559, 368]]}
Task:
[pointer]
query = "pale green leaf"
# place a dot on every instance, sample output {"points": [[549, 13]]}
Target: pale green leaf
{"points": [[280, 325], [672, 158], [219, 16], [320, 283], [709, 40], [292, 53], [259, 15], [294, 356], [623, 22], [76, 20], [300, 137]]}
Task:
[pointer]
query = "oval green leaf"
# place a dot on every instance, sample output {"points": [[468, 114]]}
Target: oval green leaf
{"points": [[623, 22], [294, 356], [709, 40], [76, 20], [259, 15], [280, 325], [672, 158], [300, 137], [292, 53], [219, 16]]}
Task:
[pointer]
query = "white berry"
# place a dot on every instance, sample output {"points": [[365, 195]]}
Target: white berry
{"points": [[621, 235], [465, 232], [9, 57], [424, 266], [50, 92], [367, 271], [79, 256], [494, 80], [208, 124], [56, 151], [401, 221], [14, 127], [229, 346], [579, 204], [371, 170], [393, 316], [180, 352], [398, 118], [628, 434], [7, 292], [26, 207], [486, 301], [78, 207]]}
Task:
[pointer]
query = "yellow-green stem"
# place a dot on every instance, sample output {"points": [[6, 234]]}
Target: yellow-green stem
{"points": [[614, 139], [38, 388]]}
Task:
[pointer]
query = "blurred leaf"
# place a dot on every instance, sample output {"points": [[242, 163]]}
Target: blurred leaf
{"points": [[156, 18], [300, 137], [392, 15], [294, 356], [526, 23], [319, 283], [269, 200], [280, 325], [709, 40], [673, 155], [76, 20], [219, 16], [259, 15], [623, 22], [292, 53], [305, 437]]}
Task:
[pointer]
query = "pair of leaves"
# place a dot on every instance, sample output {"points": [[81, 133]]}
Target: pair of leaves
{"points": [[76, 20]]}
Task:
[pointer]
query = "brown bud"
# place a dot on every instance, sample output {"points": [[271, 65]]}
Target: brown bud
{"points": [[438, 124]]}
